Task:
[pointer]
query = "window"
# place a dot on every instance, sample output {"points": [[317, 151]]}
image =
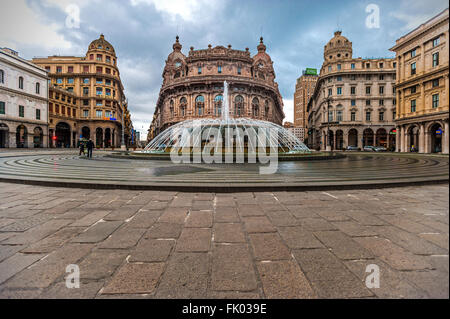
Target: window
{"points": [[330, 116], [413, 68], [59, 69], [2, 76], [199, 71], [108, 92], [239, 70], [413, 106], [38, 114], [436, 59], [85, 113], [85, 91], [329, 80], [91, 57], [59, 81], [108, 82], [70, 69], [2, 108], [394, 114], [99, 69], [353, 77], [199, 104], [339, 116], [436, 42], [38, 88], [381, 116], [394, 64], [381, 102], [219, 69], [330, 92], [381, 65], [368, 115], [353, 66], [99, 81], [108, 114], [63, 109], [98, 103], [85, 102], [413, 53], [353, 116], [70, 81], [86, 69], [435, 83], [381, 77], [394, 102], [98, 113], [368, 65], [329, 68], [339, 91], [367, 90], [99, 91], [435, 100], [339, 78], [108, 59], [238, 105], [255, 107], [353, 102], [86, 81], [218, 100], [56, 108], [381, 89], [21, 111], [338, 66], [21, 83], [368, 77], [47, 68], [69, 89], [367, 102], [99, 57], [108, 71], [413, 89]]}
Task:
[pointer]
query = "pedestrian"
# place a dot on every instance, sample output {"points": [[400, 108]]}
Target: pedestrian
{"points": [[90, 146], [81, 148]]}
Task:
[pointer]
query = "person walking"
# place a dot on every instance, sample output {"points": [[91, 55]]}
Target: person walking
{"points": [[81, 148], [90, 146]]}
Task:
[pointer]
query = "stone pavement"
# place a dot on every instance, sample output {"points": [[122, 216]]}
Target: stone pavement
{"points": [[151, 244]]}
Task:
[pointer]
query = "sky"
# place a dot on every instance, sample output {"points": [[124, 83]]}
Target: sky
{"points": [[143, 32]]}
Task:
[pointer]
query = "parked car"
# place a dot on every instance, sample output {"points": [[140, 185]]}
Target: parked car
{"points": [[352, 148], [369, 149], [380, 149]]}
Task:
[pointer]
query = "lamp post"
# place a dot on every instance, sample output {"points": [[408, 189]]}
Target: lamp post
{"points": [[122, 145], [328, 145]]}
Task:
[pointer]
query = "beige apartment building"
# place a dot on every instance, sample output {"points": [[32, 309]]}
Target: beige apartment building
{"points": [[304, 89], [353, 103], [97, 102], [422, 87]]}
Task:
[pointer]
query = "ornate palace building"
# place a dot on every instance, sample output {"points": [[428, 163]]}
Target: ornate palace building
{"points": [[353, 103], [86, 97], [193, 86], [423, 88], [304, 89]]}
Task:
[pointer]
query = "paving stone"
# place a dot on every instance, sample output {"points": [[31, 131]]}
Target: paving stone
{"points": [[173, 215], [202, 219], [202, 205], [135, 279], [60, 291], [43, 273], [5, 221], [365, 218], [284, 280], [432, 282], [268, 246], [342, 245], [232, 268], [125, 237], [226, 215], [298, 237], [316, 224], [164, 230], [186, 276], [405, 224], [101, 264], [232, 295], [440, 227], [16, 263], [54, 241], [440, 240], [333, 216], [144, 219], [194, 240], [258, 224], [354, 229], [37, 233], [410, 242], [22, 225], [97, 232], [228, 233], [91, 218], [246, 210], [152, 250], [392, 254], [282, 218], [124, 212], [20, 293], [155, 205], [63, 207], [7, 251]]}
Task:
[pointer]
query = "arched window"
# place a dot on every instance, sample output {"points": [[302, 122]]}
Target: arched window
{"points": [[255, 107], [171, 108], [238, 105], [200, 105], [21, 83], [183, 105], [38, 88], [218, 101], [177, 75], [266, 108], [2, 76]]}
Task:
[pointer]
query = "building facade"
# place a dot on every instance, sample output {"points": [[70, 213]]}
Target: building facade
{"points": [[353, 103], [95, 89], [423, 88], [23, 102], [193, 86], [304, 89]]}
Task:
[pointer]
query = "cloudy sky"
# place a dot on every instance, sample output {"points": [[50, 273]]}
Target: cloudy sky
{"points": [[143, 31]]}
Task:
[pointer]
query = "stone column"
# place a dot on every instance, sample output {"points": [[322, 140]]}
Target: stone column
{"points": [[405, 142], [427, 143], [360, 139], [402, 139], [397, 139], [421, 138], [445, 138]]}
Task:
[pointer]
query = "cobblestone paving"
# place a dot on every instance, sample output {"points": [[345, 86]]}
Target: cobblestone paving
{"points": [[150, 244]]}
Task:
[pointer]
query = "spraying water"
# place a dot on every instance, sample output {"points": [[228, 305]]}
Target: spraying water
{"points": [[226, 107]]}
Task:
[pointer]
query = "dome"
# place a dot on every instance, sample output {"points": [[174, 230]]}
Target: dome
{"points": [[101, 44], [339, 47], [176, 54]]}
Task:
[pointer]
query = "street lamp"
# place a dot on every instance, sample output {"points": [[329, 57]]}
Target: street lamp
{"points": [[122, 145], [328, 145]]}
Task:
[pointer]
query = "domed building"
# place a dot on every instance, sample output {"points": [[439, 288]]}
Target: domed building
{"points": [[86, 97], [353, 103], [193, 86]]}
